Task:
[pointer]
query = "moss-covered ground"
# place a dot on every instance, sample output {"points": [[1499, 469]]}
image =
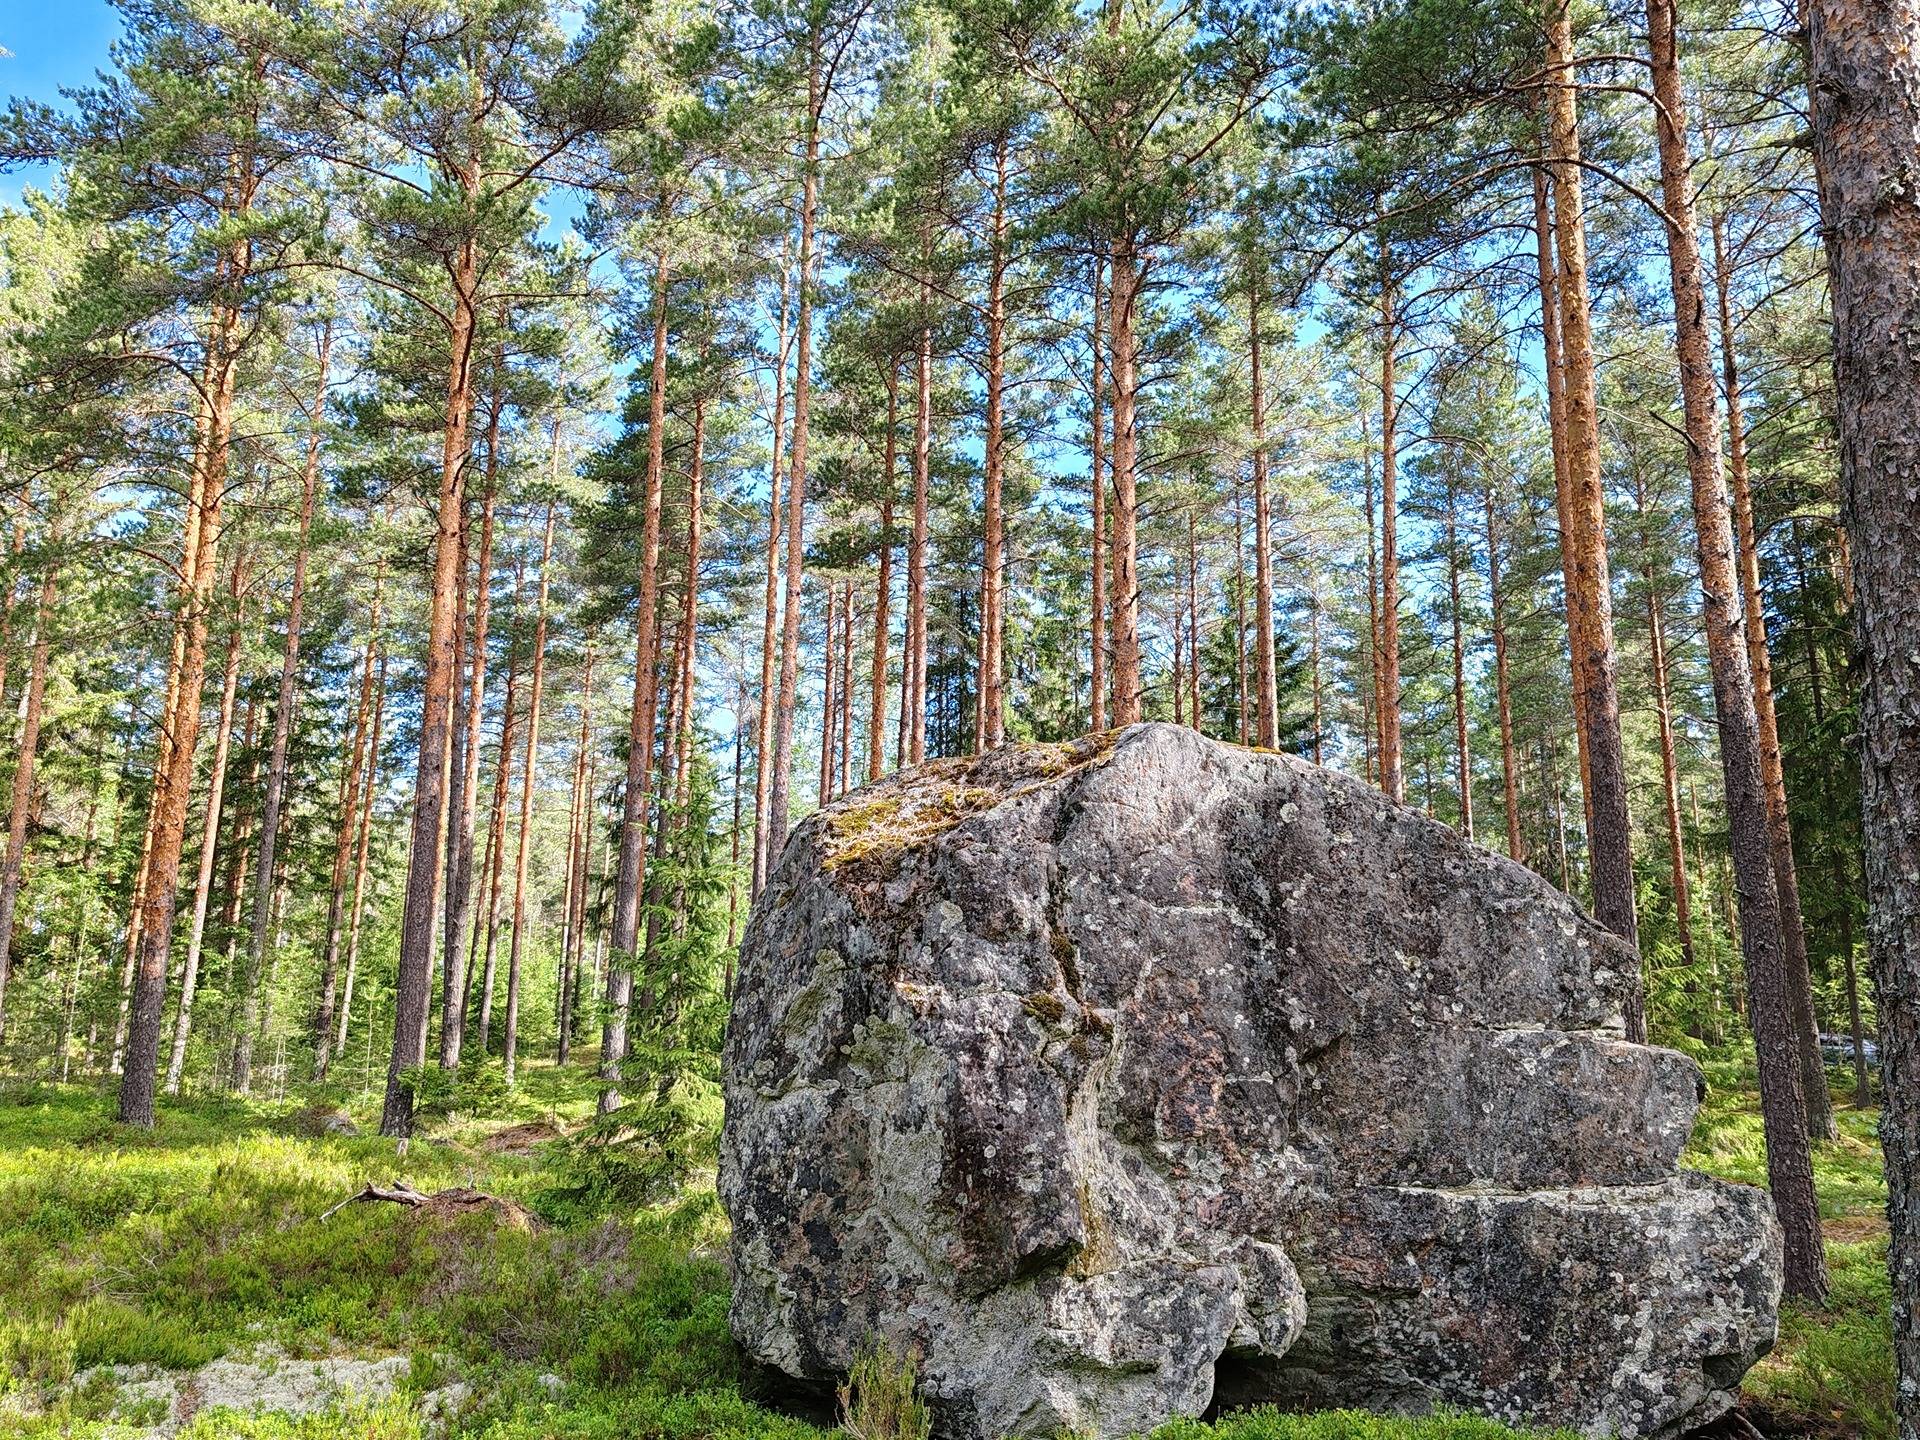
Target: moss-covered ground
{"points": [[205, 1238]]}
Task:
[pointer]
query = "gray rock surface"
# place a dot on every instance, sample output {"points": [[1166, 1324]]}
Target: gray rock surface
{"points": [[1132, 1076]]}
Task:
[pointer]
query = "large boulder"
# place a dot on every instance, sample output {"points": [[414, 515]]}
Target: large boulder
{"points": [[1129, 1077]]}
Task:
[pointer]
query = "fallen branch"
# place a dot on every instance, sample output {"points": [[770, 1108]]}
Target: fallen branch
{"points": [[400, 1194], [459, 1200]]}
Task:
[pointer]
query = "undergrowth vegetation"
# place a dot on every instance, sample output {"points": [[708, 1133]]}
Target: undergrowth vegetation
{"points": [[206, 1238]]}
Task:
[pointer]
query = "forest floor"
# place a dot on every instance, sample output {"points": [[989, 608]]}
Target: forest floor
{"points": [[151, 1281]]}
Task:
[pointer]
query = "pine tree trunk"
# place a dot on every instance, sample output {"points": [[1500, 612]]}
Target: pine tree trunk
{"points": [[1782, 1107], [829, 694], [1555, 369], [489, 934], [1371, 701], [27, 752], [1097, 489], [577, 843], [180, 723], [993, 579], [630, 882], [413, 984], [1393, 777], [357, 914], [778, 816], [846, 686], [265, 867], [209, 835], [1669, 769], [464, 802], [1793, 935], [914, 698], [528, 773], [1266, 696], [349, 811], [1866, 124], [770, 613], [1503, 689], [1610, 831], [1123, 305], [883, 582], [1463, 757]]}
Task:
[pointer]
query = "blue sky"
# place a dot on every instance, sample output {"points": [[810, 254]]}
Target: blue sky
{"points": [[48, 44]]}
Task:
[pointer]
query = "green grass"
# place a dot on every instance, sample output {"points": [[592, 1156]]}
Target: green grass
{"points": [[203, 1238]]}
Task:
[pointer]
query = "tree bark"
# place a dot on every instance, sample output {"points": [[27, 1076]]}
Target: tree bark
{"points": [[261, 935], [1782, 1106], [993, 578], [180, 721], [1503, 689], [1793, 934], [28, 751], [1866, 123], [829, 693], [883, 583], [789, 694], [1393, 777], [464, 801], [1555, 369], [1097, 488], [358, 766], [510, 1045], [577, 843], [1610, 831], [1266, 696], [770, 622], [1123, 302], [630, 882], [357, 914], [489, 936], [412, 991], [209, 835], [1463, 756]]}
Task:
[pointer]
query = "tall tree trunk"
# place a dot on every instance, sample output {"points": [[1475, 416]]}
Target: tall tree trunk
{"points": [[528, 773], [488, 936], [1610, 832], [829, 692], [770, 613], [412, 990], [1503, 690], [1097, 489], [789, 695], [630, 882], [1243, 731], [914, 697], [1793, 935], [1669, 767], [1193, 621], [1782, 1107], [261, 935], [1463, 757], [28, 751], [1266, 695], [1866, 124], [883, 582], [464, 801], [349, 811], [846, 686], [577, 843], [209, 834], [1371, 701], [1393, 778], [993, 579], [357, 914], [180, 723], [1555, 369], [1123, 310]]}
